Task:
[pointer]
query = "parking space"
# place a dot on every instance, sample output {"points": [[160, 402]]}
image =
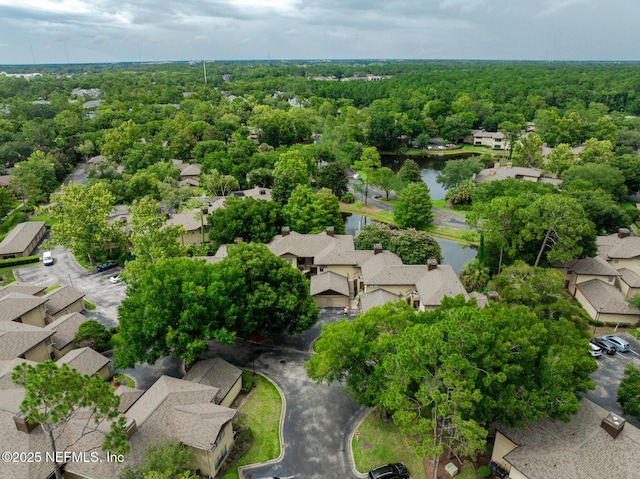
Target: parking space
{"points": [[609, 374]]}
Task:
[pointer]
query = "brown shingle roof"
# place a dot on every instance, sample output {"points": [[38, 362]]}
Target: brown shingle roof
{"points": [[329, 281], [605, 298], [198, 425], [438, 283], [187, 220], [24, 288], [61, 298], [376, 298], [20, 237], [18, 338], [65, 329], [629, 277], [14, 305], [613, 247], [315, 246], [128, 396], [85, 360], [216, 373], [593, 266]]}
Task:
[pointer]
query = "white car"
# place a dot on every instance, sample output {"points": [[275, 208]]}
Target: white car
{"points": [[47, 258], [115, 279]]}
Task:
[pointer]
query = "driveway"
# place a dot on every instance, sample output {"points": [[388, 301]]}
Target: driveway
{"points": [[318, 420], [609, 374], [66, 271]]}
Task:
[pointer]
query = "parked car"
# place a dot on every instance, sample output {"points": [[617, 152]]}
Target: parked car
{"points": [[390, 471], [620, 344], [606, 346], [47, 258], [115, 279], [595, 350], [105, 266]]}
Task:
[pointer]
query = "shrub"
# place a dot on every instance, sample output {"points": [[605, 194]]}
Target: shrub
{"points": [[347, 198], [94, 335], [4, 263], [484, 471], [247, 381]]}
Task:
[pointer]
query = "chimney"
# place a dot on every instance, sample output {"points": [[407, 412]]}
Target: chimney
{"points": [[492, 296], [237, 240], [432, 264], [496, 165], [330, 230], [623, 232], [130, 427], [613, 424], [263, 191], [191, 161], [23, 425], [492, 171], [509, 165], [377, 248], [285, 231]]}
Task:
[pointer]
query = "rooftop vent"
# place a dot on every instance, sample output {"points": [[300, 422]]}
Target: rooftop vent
{"points": [[432, 264], [623, 232], [330, 230], [613, 424], [285, 231], [377, 248]]}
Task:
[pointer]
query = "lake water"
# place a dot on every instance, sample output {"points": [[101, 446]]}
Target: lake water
{"points": [[452, 252], [430, 166]]}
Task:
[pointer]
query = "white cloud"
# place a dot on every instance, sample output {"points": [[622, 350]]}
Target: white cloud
{"points": [[552, 8]]}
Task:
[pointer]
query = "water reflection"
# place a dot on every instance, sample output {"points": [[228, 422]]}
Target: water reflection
{"points": [[452, 252]]}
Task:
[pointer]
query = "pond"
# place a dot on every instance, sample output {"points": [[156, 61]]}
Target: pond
{"points": [[430, 166], [453, 253]]}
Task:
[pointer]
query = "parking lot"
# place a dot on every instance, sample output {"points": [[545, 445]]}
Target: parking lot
{"points": [[66, 271], [609, 374]]}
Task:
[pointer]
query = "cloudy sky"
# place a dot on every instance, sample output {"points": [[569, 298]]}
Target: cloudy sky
{"points": [[78, 31]]}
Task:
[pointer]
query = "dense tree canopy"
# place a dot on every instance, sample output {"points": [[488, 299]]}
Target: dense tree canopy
{"points": [[413, 208], [413, 246]]}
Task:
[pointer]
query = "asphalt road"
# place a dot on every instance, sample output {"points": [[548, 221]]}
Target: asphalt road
{"points": [[318, 420], [609, 374]]}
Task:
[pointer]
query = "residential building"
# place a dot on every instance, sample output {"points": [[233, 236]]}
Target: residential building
{"points": [[495, 140], [63, 300], [593, 441], [23, 308], [65, 329], [218, 374], [581, 270], [18, 340], [22, 239], [188, 171], [501, 172]]}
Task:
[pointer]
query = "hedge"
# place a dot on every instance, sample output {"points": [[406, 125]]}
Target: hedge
{"points": [[4, 263]]}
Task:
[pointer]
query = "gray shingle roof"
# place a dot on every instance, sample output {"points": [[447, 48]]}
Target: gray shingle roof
{"points": [[594, 266], [85, 360], [20, 237], [24, 288], [376, 298], [128, 396], [14, 305], [216, 373], [613, 247], [18, 338], [629, 277], [605, 298], [61, 298], [198, 425], [329, 281], [579, 449], [438, 283], [188, 220], [310, 245], [66, 328], [386, 268]]}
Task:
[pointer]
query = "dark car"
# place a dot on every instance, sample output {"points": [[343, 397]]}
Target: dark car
{"points": [[604, 345], [105, 266], [390, 471]]}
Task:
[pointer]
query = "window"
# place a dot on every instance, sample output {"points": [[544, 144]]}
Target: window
{"points": [[221, 457], [47, 341], [610, 278], [218, 439]]}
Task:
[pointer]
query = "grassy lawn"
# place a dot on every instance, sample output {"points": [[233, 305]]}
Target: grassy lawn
{"points": [[6, 276], [88, 305], [369, 211], [480, 150], [440, 205], [381, 442], [261, 412], [51, 288]]}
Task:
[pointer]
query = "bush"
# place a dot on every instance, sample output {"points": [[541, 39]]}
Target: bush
{"points": [[347, 198], [484, 471], [94, 335], [247, 381], [5, 263]]}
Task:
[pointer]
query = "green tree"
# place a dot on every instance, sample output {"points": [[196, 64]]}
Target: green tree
{"points": [[79, 219], [462, 194], [308, 212], [333, 176], [94, 335], [413, 208], [168, 459], [561, 158], [512, 131], [247, 218], [596, 151], [7, 199], [593, 176], [367, 164], [54, 396], [150, 237], [606, 214], [629, 391], [629, 166], [413, 246], [410, 172], [457, 171], [289, 171], [528, 152], [385, 179], [34, 178], [217, 184], [474, 276], [172, 193]]}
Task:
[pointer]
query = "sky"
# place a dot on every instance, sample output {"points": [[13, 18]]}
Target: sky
{"points": [[96, 31]]}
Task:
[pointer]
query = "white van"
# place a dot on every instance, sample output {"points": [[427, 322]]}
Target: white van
{"points": [[47, 258]]}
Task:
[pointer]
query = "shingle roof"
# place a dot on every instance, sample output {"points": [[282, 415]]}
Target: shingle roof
{"points": [[605, 298], [20, 237], [377, 262], [329, 281], [128, 396], [579, 449], [376, 298], [24, 288], [65, 329], [188, 220], [489, 174], [61, 298], [629, 277], [594, 266], [307, 246], [14, 305], [216, 373], [386, 268], [18, 338], [198, 425], [85, 360], [613, 247], [438, 283]]}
